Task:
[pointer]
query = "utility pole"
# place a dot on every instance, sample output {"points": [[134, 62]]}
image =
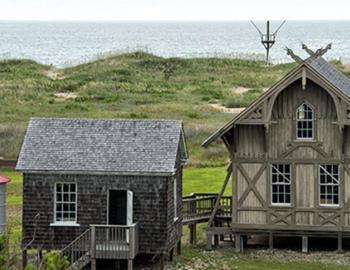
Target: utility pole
{"points": [[268, 40]]}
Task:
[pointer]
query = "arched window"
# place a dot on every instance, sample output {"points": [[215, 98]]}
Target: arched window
{"points": [[304, 122]]}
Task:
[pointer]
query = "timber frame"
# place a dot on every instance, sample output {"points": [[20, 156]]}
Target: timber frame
{"points": [[265, 133]]}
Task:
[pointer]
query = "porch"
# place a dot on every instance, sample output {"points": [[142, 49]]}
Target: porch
{"points": [[103, 242]]}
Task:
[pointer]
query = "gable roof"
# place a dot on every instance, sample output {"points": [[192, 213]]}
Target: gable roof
{"points": [[319, 65], [102, 146], [332, 74]]}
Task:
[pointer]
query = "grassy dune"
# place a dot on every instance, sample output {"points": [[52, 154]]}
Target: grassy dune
{"points": [[136, 85]]}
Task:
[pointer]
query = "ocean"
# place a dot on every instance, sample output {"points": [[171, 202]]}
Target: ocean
{"points": [[64, 44]]}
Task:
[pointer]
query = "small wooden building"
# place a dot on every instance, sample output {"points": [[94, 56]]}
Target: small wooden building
{"points": [[290, 157], [102, 189]]}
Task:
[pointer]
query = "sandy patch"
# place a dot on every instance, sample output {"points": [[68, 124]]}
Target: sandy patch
{"points": [[221, 108], [53, 74], [66, 95]]}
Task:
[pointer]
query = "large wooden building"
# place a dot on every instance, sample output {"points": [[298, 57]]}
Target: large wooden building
{"points": [[290, 157], [102, 189]]}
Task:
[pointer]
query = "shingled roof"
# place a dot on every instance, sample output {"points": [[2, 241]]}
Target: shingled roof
{"points": [[332, 74], [102, 146]]}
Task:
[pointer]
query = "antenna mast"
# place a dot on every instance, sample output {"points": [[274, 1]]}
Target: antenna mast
{"points": [[268, 40]]}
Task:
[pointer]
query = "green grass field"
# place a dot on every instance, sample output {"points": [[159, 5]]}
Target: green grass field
{"points": [[202, 180]]}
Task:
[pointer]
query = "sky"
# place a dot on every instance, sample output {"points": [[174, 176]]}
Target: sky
{"points": [[173, 10]]}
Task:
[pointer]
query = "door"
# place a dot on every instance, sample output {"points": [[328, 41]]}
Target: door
{"points": [[117, 207]]}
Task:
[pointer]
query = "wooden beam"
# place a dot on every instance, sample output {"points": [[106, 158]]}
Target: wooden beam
{"points": [[162, 262], [270, 240], [305, 244], [193, 233], [217, 203], [178, 248], [238, 243], [130, 264], [24, 259], [340, 242]]}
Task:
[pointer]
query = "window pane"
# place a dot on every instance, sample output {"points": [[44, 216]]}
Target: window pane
{"points": [[280, 183], [65, 202], [329, 184]]}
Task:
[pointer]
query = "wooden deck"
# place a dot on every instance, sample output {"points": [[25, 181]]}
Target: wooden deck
{"points": [[198, 207], [103, 242]]}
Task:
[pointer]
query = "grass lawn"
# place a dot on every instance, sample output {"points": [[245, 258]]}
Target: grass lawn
{"points": [[202, 180]]}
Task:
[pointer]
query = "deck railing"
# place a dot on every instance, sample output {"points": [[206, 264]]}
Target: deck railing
{"points": [[103, 242], [114, 241], [199, 206]]}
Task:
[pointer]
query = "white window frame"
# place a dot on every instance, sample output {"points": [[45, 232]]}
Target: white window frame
{"points": [[285, 176], [335, 178], [297, 121], [175, 198], [67, 222]]}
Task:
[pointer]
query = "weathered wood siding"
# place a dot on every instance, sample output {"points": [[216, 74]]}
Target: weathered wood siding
{"points": [[150, 208], [256, 147]]}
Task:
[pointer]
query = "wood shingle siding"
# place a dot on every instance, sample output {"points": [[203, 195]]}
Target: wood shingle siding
{"points": [[152, 209]]}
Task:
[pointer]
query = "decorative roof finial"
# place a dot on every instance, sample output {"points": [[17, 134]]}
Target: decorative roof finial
{"points": [[322, 51], [307, 49], [318, 53], [295, 57]]}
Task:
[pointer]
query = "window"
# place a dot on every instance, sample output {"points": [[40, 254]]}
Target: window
{"points": [[66, 203], [305, 122], [280, 175], [175, 198], [329, 185]]}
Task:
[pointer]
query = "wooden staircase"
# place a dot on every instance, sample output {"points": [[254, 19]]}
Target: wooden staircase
{"points": [[103, 242], [78, 251]]}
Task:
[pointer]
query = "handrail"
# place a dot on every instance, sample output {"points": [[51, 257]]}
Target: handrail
{"points": [[198, 207], [75, 240], [77, 252]]}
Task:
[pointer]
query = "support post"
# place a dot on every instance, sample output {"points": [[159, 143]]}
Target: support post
{"points": [[40, 256], [171, 255], [238, 243], [271, 241], [130, 264], [216, 240], [161, 262], [93, 248], [193, 233], [24, 259], [178, 249], [209, 241], [305, 244], [340, 242]]}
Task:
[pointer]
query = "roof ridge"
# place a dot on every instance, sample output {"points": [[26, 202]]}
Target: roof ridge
{"points": [[108, 119]]}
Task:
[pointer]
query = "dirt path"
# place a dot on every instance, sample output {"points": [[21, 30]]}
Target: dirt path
{"points": [[221, 108]]}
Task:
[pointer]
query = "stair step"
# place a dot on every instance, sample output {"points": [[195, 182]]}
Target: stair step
{"points": [[82, 261]]}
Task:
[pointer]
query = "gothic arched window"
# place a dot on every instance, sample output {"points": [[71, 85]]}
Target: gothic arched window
{"points": [[304, 122]]}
